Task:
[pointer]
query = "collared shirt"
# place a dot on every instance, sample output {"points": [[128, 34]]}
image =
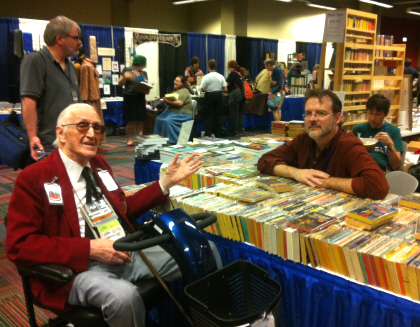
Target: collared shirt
{"points": [[41, 76], [213, 82], [349, 159], [74, 171]]}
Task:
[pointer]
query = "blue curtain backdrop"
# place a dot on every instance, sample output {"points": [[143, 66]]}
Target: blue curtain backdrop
{"points": [[216, 50], [270, 45], [256, 61], [197, 48], [103, 40], [313, 54], [312, 298], [9, 63]]}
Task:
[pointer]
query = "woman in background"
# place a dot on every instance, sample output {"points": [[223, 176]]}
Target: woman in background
{"points": [[134, 105], [314, 80], [178, 111], [193, 71], [235, 87]]}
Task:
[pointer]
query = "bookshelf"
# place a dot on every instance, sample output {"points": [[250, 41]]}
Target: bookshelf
{"points": [[359, 67], [389, 85]]}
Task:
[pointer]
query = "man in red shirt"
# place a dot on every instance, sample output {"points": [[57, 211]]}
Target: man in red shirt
{"points": [[326, 155]]}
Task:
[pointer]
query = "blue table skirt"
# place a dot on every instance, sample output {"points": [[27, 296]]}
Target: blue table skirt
{"points": [[3, 117], [146, 171], [114, 112], [311, 297], [292, 109]]}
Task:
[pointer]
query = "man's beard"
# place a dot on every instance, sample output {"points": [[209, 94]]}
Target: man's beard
{"points": [[316, 135]]}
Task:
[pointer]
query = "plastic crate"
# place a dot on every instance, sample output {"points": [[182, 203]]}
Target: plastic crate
{"points": [[238, 294]]}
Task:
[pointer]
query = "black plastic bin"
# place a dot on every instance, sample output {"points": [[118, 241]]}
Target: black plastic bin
{"points": [[238, 294]]}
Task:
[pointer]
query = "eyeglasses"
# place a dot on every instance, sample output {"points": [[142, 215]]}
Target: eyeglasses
{"points": [[319, 114], [83, 127], [74, 37]]}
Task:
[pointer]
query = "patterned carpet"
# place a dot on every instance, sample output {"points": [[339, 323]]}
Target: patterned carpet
{"points": [[12, 304]]}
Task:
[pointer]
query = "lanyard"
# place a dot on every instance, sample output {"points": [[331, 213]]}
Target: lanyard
{"points": [[324, 166]]}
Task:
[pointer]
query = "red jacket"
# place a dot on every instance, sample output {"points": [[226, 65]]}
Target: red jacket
{"points": [[38, 232]]}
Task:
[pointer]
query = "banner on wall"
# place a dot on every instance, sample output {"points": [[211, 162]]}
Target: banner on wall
{"points": [[172, 39]]}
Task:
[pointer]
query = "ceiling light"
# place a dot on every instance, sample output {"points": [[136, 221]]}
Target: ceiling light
{"points": [[320, 6], [404, 39], [285, 0], [182, 2], [410, 11], [381, 4]]}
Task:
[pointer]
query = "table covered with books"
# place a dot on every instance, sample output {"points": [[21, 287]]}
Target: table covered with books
{"points": [[341, 260]]}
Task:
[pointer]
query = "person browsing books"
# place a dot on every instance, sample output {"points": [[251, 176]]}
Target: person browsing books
{"points": [[134, 105], [235, 87], [213, 84], [47, 230], [326, 155], [179, 110], [276, 93], [387, 152]]}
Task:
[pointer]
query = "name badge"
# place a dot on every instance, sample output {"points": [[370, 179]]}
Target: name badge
{"points": [[54, 193], [98, 212], [74, 95], [107, 180], [112, 230]]}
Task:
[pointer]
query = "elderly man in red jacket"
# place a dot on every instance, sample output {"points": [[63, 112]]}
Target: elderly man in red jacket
{"points": [[326, 155], [47, 223]]}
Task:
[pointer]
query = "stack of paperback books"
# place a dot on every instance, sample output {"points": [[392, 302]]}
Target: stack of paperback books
{"points": [[371, 216], [279, 128], [149, 144], [295, 127]]}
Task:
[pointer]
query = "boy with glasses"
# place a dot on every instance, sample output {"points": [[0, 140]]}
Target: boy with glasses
{"points": [[325, 155], [387, 152]]}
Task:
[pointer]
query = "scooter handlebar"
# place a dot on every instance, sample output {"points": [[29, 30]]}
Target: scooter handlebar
{"points": [[128, 243], [132, 242], [204, 219]]}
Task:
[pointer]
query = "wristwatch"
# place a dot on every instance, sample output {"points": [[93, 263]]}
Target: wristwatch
{"points": [[392, 148]]}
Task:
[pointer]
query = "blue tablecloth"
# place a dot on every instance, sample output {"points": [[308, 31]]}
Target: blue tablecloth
{"points": [[292, 109], [146, 171], [312, 298], [3, 117], [114, 112]]}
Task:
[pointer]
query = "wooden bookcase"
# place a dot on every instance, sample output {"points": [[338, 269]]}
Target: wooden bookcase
{"points": [[354, 66], [392, 85]]}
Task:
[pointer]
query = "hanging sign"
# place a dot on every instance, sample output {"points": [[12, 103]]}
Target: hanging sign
{"points": [[335, 26], [172, 39], [108, 52]]}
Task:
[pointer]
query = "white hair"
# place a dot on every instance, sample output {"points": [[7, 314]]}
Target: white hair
{"points": [[66, 113]]}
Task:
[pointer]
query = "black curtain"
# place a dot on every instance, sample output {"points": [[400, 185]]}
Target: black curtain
{"points": [[172, 62], [302, 47], [242, 51]]}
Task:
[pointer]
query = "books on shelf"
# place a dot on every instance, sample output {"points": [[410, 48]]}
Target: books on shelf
{"points": [[360, 23], [373, 214]]}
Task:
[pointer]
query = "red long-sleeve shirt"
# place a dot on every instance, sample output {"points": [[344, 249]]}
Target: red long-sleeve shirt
{"points": [[349, 159]]}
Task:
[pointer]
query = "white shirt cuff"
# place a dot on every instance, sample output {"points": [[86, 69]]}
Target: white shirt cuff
{"points": [[163, 190]]}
